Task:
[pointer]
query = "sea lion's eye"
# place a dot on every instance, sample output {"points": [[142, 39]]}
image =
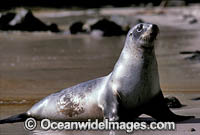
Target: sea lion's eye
{"points": [[139, 28]]}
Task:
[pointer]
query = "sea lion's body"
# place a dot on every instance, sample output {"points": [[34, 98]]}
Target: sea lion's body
{"points": [[131, 89]]}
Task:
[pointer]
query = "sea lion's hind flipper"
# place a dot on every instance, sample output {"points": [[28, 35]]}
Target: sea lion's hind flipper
{"points": [[158, 109], [16, 118]]}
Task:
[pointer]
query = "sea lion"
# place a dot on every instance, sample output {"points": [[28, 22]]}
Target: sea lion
{"points": [[131, 89]]}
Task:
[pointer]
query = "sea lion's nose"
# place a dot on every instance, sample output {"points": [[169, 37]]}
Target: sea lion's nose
{"points": [[154, 28]]}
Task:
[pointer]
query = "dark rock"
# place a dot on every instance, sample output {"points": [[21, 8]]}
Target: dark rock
{"points": [[195, 55], [173, 102], [193, 129], [196, 99], [5, 19], [24, 21], [190, 18], [77, 27], [190, 52], [53, 27], [109, 28]]}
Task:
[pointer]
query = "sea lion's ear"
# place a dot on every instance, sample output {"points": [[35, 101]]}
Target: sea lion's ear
{"points": [[130, 34]]}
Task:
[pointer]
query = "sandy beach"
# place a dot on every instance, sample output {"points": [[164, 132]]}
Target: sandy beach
{"points": [[36, 64]]}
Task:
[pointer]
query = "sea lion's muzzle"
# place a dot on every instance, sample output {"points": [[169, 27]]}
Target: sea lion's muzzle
{"points": [[154, 30], [149, 36]]}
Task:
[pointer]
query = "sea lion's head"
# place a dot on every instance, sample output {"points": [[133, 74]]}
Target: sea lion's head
{"points": [[143, 36]]}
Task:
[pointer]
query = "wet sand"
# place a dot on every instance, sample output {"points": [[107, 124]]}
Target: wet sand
{"points": [[36, 64]]}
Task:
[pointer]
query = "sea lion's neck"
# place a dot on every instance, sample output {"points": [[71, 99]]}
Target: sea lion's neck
{"points": [[134, 64], [136, 56]]}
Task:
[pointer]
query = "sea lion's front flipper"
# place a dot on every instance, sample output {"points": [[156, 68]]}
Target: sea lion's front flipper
{"points": [[158, 109], [110, 106]]}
